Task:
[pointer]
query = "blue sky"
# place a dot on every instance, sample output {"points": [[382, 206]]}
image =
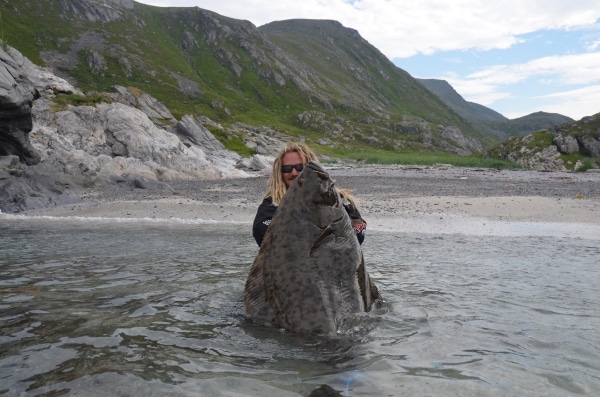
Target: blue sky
{"points": [[515, 56]]}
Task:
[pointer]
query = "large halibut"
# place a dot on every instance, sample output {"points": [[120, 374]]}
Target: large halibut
{"points": [[309, 274]]}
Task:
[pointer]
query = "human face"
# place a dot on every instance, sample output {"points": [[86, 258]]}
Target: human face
{"points": [[290, 158]]}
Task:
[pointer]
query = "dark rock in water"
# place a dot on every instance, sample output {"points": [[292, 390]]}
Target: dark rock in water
{"points": [[325, 391]]}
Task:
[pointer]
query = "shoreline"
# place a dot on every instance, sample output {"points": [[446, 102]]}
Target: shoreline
{"points": [[423, 200]]}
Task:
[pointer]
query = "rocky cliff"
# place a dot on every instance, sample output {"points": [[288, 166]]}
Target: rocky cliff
{"points": [[49, 148]]}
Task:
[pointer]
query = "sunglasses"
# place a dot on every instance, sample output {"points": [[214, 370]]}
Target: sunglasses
{"points": [[286, 169]]}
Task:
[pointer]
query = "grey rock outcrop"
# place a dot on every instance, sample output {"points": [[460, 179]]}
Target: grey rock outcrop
{"points": [[590, 145], [47, 155], [566, 144], [455, 142], [262, 140], [155, 110], [115, 139], [97, 10], [193, 133], [581, 138]]}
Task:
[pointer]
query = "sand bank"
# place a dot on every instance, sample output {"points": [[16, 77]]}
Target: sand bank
{"points": [[454, 200]]}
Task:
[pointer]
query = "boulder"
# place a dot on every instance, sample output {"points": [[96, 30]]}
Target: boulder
{"points": [[10, 166], [259, 163], [590, 145], [155, 110], [193, 133], [566, 144]]}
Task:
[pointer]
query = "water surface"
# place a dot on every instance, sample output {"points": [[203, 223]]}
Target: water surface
{"points": [[153, 308]]}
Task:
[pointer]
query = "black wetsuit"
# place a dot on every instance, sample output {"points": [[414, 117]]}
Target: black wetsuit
{"points": [[267, 209]]}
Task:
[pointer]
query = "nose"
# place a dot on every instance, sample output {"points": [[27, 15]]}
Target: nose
{"points": [[295, 172]]}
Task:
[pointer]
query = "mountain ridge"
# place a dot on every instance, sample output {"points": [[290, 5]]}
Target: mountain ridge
{"points": [[310, 80], [196, 61], [488, 119]]}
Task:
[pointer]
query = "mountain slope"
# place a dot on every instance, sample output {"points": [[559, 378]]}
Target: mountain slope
{"points": [[314, 79], [536, 121], [489, 120], [468, 110]]}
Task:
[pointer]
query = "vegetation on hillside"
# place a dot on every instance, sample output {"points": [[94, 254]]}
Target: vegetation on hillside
{"points": [[416, 158], [314, 80], [198, 62], [576, 144]]}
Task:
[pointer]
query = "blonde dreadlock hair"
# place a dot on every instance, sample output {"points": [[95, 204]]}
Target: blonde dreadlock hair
{"points": [[276, 188]]}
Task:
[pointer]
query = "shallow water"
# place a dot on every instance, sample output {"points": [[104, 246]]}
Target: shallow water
{"points": [[153, 308]]}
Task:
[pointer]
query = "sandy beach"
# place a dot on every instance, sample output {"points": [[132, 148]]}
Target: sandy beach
{"points": [[439, 199]]}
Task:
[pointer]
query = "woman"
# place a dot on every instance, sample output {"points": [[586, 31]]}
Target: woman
{"points": [[287, 166]]}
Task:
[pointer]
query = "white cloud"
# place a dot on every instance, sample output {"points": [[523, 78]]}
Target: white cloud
{"points": [[593, 46], [576, 103], [555, 70], [571, 69]]}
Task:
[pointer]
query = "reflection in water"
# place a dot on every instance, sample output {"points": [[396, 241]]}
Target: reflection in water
{"points": [[141, 308]]}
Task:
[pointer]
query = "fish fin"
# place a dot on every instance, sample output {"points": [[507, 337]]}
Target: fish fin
{"points": [[256, 301], [323, 238], [268, 305], [368, 289], [375, 294], [364, 283]]}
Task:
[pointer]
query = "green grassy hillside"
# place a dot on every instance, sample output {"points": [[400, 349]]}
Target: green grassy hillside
{"points": [[309, 78]]}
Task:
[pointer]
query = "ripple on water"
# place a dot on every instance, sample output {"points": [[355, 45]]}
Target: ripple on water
{"points": [[137, 308]]}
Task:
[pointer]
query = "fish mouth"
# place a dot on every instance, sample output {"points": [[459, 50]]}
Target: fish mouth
{"points": [[331, 197]]}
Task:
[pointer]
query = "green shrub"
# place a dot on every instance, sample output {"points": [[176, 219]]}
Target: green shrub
{"points": [[62, 100]]}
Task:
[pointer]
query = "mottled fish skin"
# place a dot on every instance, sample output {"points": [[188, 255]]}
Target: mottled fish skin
{"points": [[309, 274]]}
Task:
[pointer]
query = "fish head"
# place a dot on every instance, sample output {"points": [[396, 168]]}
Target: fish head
{"points": [[317, 186]]}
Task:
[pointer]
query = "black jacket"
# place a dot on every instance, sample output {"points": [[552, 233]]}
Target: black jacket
{"points": [[267, 209]]}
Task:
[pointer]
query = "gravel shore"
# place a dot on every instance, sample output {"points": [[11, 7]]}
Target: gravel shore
{"points": [[420, 199], [382, 181]]}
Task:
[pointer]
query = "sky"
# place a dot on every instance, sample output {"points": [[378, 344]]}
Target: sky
{"points": [[516, 57]]}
